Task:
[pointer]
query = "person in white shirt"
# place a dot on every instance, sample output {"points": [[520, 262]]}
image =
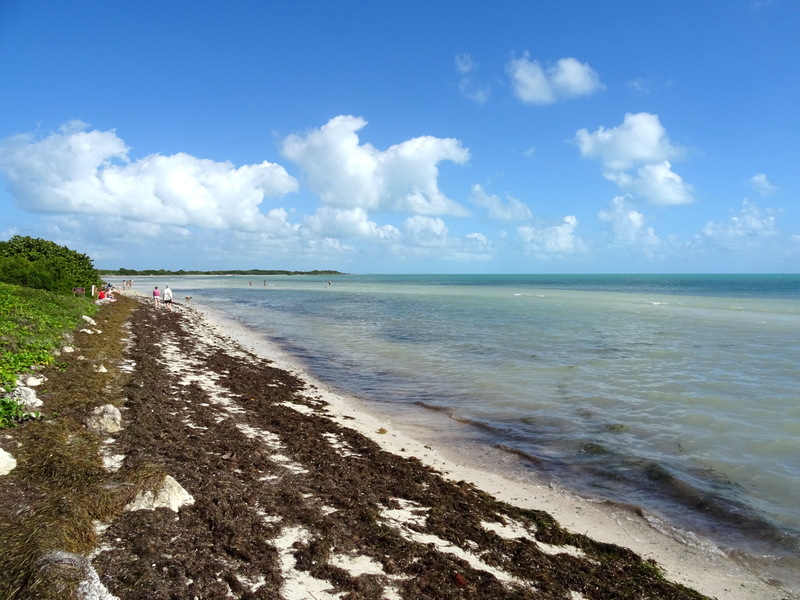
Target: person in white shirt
{"points": [[168, 297]]}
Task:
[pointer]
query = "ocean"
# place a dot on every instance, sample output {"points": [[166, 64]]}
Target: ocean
{"points": [[676, 393]]}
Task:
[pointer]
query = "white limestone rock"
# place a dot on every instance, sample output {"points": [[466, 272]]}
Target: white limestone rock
{"points": [[170, 495], [7, 462], [105, 419], [33, 381], [89, 320], [27, 398]]}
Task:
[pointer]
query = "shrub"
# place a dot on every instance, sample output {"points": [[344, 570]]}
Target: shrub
{"points": [[44, 265]]}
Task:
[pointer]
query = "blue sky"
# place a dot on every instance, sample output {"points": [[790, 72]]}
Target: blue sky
{"points": [[405, 137]]}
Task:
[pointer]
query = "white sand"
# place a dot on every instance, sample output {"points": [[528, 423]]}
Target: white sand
{"points": [[685, 558]]}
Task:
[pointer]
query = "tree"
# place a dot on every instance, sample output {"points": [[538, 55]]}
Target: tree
{"points": [[42, 264]]}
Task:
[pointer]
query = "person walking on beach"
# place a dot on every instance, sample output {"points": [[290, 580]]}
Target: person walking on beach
{"points": [[168, 298], [156, 297]]}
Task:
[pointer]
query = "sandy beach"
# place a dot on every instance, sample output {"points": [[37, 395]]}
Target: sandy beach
{"points": [[278, 487]]}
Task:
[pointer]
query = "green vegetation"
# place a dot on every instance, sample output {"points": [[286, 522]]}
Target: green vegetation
{"points": [[44, 265], [12, 412], [59, 489], [33, 324], [254, 272]]}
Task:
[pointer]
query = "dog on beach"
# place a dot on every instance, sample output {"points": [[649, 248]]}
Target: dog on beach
{"points": [[187, 298]]}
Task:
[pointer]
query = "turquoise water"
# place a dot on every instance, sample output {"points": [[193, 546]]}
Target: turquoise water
{"points": [[678, 393]]}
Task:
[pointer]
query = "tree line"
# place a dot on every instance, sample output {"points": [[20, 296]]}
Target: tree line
{"points": [[164, 272]]}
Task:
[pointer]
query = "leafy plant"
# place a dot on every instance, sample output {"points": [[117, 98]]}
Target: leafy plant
{"points": [[12, 413], [33, 324]]}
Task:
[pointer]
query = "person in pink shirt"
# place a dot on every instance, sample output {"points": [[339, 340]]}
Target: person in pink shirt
{"points": [[156, 297]]}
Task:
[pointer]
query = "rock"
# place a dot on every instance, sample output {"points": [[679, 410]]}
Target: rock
{"points": [[68, 349], [27, 398], [105, 419], [7, 462], [89, 320], [34, 381], [101, 369], [170, 495], [89, 331]]}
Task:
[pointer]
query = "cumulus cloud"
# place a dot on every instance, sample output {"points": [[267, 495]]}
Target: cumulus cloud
{"points": [[761, 184], [348, 174], [657, 183], [512, 210], [426, 231], [743, 230], [628, 226], [552, 241], [636, 156], [568, 78], [352, 223], [641, 138], [87, 172], [429, 238]]}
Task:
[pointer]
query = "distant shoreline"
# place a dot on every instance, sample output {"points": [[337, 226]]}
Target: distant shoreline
{"points": [[224, 273]]}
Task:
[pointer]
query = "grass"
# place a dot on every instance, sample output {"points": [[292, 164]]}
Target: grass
{"points": [[50, 502], [33, 324]]}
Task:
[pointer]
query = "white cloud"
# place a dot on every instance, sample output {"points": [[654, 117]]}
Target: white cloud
{"points": [[9, 233], [88, 172], [513, 210], [568, 78], [761, 184], [744, 230], [426, 231], [352, 223], [348, 174], [428, 238], [639, 139], [640, 85], [556, 240], [628, 226], [479, 239], [656, 183], [465, 65], [640, 143]]}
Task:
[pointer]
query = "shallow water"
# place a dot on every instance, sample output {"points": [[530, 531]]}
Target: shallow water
{"points": [[680, 394]]}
